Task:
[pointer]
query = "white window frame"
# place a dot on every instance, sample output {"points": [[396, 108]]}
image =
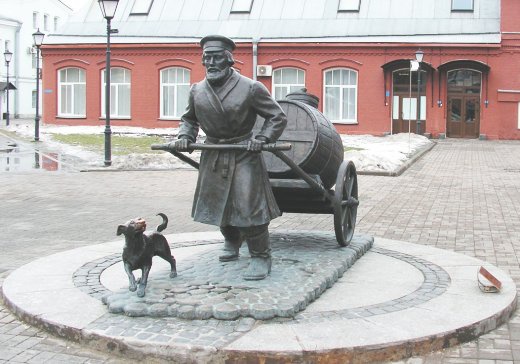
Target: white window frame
{"points": [[518, 116], [289, 87], [455, 7], [115, 89], [242, 6], [343, 89], [176, 114], [35, 20], [349, 5], [46, 22], [73, 84], [141, 7], [56, 22]]}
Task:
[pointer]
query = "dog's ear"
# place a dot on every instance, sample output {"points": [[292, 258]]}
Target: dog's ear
{"points": [[121, 229]]}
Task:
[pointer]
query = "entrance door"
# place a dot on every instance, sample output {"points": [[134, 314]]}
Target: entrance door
{"points": [[405, 107], [463, 120], [463, 116]]}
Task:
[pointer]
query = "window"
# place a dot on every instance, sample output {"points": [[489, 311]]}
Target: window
{"points": [[349, 5], [341, 95], [175, 89], [242, 6], [141, 7], [33, 99], [56, 23], [461, 5], [405, 89], [46, 22], [518, 116], [287, 80], [464, 81], [71, 92], [119, 93], [35, 19]]}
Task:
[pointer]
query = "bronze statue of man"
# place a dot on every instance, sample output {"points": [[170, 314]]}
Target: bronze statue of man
{"points": [[233, 189]]}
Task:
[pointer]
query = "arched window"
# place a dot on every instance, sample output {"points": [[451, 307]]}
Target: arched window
{"points": [[71, 92], [341, 95], [120, 79], [175, 89], [287, 80]]}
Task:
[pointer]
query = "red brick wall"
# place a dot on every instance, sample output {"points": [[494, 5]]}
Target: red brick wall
{"points": [[498, 120]]}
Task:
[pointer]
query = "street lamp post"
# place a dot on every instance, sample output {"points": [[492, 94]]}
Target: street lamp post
{"points": [[108, 9], [419, 57], [7, 56], [38, 41]]}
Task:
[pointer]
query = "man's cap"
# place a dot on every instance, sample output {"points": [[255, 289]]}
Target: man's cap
{"points": [[217, 43]]}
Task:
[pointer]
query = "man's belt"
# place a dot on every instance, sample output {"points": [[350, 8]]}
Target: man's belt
{"points": [[225, 154], [233, 140]]}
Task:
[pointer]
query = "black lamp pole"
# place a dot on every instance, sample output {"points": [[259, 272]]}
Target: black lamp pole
{"points": [[108, 8], [419, 57], [38, 40], [7, 56]]}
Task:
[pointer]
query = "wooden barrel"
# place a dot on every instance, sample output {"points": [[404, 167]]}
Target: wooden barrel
{"points": [[316, 145]]}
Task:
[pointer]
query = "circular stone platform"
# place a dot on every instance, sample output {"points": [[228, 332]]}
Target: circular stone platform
{"points": [[398, 300]]}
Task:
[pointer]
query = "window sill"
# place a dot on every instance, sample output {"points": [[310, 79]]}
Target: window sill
{"points": [[116, 118], [169, 119], [71, 117], [343, 122]]}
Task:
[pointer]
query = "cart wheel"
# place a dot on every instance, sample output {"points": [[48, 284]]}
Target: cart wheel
{"points": [[345, 203]]}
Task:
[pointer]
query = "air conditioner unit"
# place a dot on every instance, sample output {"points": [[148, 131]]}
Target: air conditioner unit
{"points": [[31, 50], [264, 70]]}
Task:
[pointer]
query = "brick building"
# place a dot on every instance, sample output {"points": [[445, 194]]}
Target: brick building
{"points": [[354, 54]]}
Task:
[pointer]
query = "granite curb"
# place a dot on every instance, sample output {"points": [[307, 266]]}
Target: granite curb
{"points": [[407, 164]]}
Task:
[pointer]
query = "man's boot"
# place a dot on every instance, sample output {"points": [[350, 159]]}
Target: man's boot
{"points": [[260, 250], [232, 243]]}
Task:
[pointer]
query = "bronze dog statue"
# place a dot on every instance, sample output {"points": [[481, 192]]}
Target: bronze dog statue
{"points": [[141, 247]]}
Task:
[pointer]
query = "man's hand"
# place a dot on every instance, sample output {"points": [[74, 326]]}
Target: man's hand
{"points": [[181, 145], [255, 145]]}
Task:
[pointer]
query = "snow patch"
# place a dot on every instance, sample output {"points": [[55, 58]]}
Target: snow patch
{"points": [[369, 153]]}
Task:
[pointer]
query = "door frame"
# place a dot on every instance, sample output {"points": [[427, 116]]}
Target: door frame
{"points": [[464, 97], [412, 95]]}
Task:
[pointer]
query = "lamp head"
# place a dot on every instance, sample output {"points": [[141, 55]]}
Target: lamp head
{"points": [[108, 8], [38, 38], [419, 55], [8, 56]]}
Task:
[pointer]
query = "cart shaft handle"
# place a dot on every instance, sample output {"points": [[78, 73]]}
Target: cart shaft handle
{"points": [[270, 147]]}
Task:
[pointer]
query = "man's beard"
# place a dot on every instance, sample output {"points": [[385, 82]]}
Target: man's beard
{"points": [[217, 77]]}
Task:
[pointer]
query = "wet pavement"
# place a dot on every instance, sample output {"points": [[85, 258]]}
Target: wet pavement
{"points": [[462, 196], [20, 156]]}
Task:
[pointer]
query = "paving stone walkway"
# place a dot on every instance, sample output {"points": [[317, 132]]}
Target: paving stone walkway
{"points": [[463, 196]]}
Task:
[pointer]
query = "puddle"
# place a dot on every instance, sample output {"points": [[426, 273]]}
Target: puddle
{"points": [[15, 157]]}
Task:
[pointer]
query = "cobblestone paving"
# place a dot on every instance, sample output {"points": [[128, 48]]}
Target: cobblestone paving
{"points": [[207, 288], [463, 196]]}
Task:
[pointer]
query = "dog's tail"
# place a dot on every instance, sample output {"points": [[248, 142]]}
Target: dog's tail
{"points": [[164, 223]]}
